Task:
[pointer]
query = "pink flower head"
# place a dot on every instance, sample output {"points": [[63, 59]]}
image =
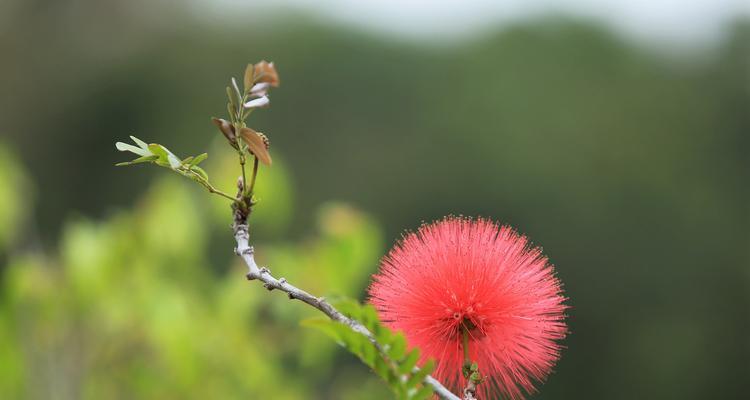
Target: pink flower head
{"points": [[461, 274]]}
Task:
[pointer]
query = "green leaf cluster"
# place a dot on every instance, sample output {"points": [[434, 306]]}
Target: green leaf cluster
{"points": [[143, 303], [157, 154], [390, 358]]}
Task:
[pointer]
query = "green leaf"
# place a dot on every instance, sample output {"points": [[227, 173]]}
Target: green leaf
{"points": [[381, 368], [397, 347], [419, 376], [369, 354], [186, 161], [129, 147], [159, 150], [230, 109], [138, 160], [324, 325], [349, 307], [174, 162], [198, 159], [423, 393], [232, 105], [409, 362], [369, 317], [166, 158], [140, 143], [199, 171]]}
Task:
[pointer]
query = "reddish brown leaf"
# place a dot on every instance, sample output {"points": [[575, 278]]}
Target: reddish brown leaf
{"points": [[266, 72], [226, 129], [256, 144]]}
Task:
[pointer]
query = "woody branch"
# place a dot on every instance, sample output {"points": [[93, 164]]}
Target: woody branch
{"points": [[262, 274]]}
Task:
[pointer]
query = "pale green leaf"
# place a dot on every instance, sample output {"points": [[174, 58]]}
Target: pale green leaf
{"points": [[138, 160], [140, 143], [198, 159], [129, 147], [199, 171]]}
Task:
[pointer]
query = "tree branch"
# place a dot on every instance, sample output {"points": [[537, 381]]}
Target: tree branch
{"points": [[262, 274], [470, 391]]}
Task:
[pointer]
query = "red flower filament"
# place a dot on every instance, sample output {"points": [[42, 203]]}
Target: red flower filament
{"points": [[460, 274]]}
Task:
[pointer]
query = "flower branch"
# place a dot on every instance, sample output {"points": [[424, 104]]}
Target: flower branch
{"points": [[469, 272], [262, 274]]}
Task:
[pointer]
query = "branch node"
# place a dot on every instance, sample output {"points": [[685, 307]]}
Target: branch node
{"points": [[291, 296], [282, 280], [264, 270], [268, 286]]}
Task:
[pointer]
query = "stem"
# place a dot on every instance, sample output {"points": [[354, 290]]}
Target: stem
{"points": [[242, 164], [470, 391], [270, 282], [465, 333], [252, 178], [210, 187]]}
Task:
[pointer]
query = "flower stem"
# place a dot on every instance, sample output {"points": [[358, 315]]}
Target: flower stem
{"points": [[465, 334], [211, 188], [252, 178], [242, 164]]}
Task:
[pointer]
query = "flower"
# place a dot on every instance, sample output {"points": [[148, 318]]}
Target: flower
{"points": [[460, 275]]}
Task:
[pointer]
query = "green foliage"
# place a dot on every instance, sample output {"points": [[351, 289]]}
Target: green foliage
{"points": [[390, 358], [157, 154], [131, 306], [15, 197]]}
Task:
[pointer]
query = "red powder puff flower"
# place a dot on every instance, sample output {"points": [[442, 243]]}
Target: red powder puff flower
{"points": [[467, 275]]}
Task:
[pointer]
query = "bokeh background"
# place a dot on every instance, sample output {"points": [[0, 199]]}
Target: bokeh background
{"points": [[614, 134]]}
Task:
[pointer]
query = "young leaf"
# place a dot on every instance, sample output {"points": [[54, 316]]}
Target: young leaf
{"points": [[256, 145], [140, 143], [419, 376], [198, 159], [423, 393], [166, 158], [199, 171], [129, 147], [397, 347], [248, 81], [324, 325], [138, 160], [236, 88], [408, 363]]}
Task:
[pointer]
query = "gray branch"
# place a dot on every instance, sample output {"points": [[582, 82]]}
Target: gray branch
{"points": [[470, 391], [262, 274]]}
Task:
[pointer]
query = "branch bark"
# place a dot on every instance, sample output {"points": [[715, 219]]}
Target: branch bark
{"points": [[262, 274], [470, 391]]}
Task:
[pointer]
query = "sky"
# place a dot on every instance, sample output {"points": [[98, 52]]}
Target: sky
{"points": [[682, 21]]}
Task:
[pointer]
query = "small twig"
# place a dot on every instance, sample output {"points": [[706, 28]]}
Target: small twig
{"points": [[253, 176], [211, 188], [242, 164], [470, 391], [263, 275], [469, 371]]}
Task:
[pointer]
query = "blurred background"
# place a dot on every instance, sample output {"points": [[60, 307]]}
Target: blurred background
{"points": [[614, 134]]}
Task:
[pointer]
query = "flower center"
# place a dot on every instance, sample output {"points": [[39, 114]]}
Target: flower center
{"points": [[460, 320]]}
